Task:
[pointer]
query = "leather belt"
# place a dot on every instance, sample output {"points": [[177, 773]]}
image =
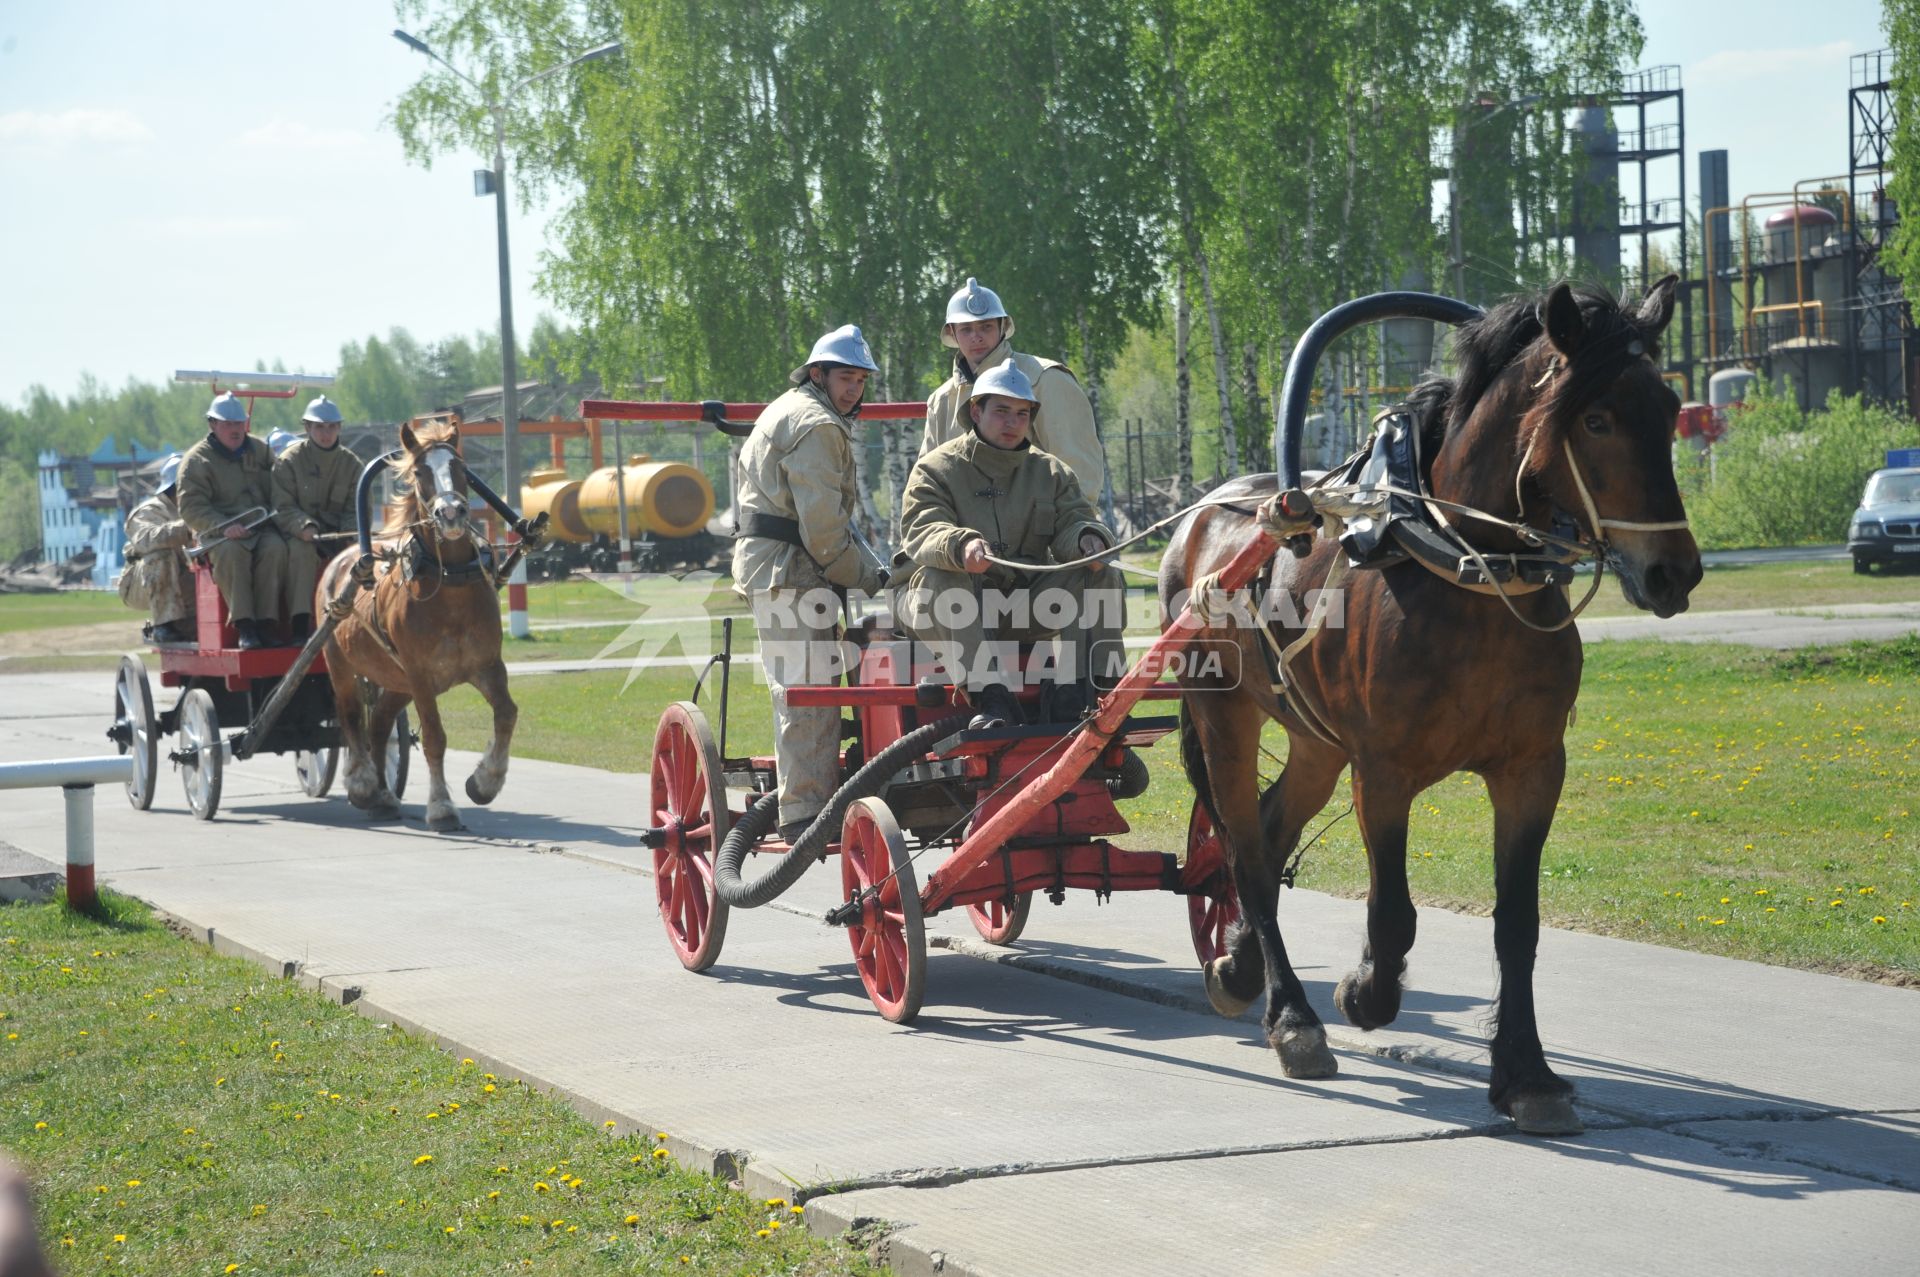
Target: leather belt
{"points": [[772, 527]]}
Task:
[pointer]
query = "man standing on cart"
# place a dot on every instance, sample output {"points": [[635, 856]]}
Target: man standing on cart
{"points": [[980, 332], [156, 576], [796, 553], [313, 483], [226, 480], [992, 492]]}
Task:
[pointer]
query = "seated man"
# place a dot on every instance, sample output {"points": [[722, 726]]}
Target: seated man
{"points": [[222, 478], [990, 491], [313, 483], [157, 577]]}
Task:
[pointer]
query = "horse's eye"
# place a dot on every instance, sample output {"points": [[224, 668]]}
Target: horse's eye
{"points": [[1596, 423]]}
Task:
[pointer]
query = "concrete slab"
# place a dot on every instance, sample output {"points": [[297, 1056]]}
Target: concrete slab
{"points": [[1636, 1201]]}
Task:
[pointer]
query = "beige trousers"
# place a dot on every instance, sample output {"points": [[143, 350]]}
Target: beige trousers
{"points": [[252, 573], [973, 630], [800, 644]]}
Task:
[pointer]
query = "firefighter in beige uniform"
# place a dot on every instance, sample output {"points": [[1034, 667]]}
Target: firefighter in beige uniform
{"points": [[313, 483], [157, 577], [979, 329], [796, 548], [224, 476], [992, 492]]}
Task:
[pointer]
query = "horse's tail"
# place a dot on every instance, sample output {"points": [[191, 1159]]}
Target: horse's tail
{"points": [[1194, 759]]}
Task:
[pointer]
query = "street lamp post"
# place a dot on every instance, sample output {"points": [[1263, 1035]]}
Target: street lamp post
{"points": [[495, 184]]}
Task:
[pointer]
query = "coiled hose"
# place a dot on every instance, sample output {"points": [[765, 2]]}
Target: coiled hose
{"points": [[872, 777]]}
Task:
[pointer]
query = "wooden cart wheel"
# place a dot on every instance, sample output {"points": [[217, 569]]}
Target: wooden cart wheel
{"points": [[203, 761], [1209, 916], [399, 750], [890, 940], [999, 923], [690, 805], [135, 729], [316, 768]]}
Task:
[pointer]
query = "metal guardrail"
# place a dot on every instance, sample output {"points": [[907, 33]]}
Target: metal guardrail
{"points": [[77, 776]]}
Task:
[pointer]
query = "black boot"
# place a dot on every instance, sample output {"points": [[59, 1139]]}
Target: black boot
{"points": [[249, 635], [791, 831], [170, 632], [299, 628], [994, 707]]}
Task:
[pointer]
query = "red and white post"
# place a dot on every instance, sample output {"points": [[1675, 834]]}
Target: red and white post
{"points": [[517, 625], [80, 889]]}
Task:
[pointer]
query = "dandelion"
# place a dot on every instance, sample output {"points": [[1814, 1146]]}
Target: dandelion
{"points": [[431, 1117], [499, 1170], [453, 1106], [1771, 909], [1866, 891], [260, 1208], [1879, 918], [447, 1229], [1835, 904], [1719, 922], [487, 1089], [776, 1201], [133, 1183], [608, 1123], [219, 1081], [423, 1159], [119, 1237], [798, 1210], [631, 1220], [660, 1152], [231, 1268], [764, 1232], [39, 1126], [558, 1223], [488, 1076], [659, 1135], [466, 1060], [494, 1195], [773, 1225], [1760, 891], [541, 1186], [68, 1241]]}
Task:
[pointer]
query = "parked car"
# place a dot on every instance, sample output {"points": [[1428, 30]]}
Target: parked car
{"points": [[1886, 527]]}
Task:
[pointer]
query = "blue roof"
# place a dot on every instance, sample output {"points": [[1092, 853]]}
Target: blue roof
{"points": [[108, 453]]}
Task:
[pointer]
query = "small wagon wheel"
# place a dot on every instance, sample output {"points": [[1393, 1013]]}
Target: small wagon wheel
{"points": [[690, 808], [200, 754], [135, 729], [399, 752], [890, 940], [316, 768], [999, 922], [1209, 916]]}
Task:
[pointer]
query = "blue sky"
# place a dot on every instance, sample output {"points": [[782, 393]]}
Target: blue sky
{"points": [[196, 185]]}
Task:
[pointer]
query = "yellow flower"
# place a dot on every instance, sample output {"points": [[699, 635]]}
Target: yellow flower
{"points": [[499, 1170], [488, 1076], [608, 1123], [219, 1081], [423, 1159], [774, 1224], [232, 1268], [764, 1232], [494, 1195], [631, 1220], [119, 1237], [260, 1208], [133, 1183], [432, 1116], [1878, 918], [659, 1135], [541, 1186], [1719, 922], [487, 1089], [39, 1126], [558, 1223], [1726, 900], [798, 1210], [776, 1201], [447, 1229], [1771, 909], [64, 1241], [467, 1060], [636, 1159], [1835, 904], [660, 1152]]}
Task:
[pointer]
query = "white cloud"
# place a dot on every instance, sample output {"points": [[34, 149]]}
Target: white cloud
{"points": [[281, 134], [1761, 66], [78, 124]]}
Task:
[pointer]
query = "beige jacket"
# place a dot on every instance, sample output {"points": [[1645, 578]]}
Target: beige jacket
{"points": [[214, 488], [1026, 504], [313, 487], [1062, 427], [798, 464], [155, 525]]}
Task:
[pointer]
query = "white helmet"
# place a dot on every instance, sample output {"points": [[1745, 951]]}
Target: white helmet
{"points": [[1007, 381], [322, 411], [279, 440], [226, 407], [845, 346], [170, 471], [975, 301]]}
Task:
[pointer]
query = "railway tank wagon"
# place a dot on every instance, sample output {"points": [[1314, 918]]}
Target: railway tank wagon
{"points": [[668, 507]]}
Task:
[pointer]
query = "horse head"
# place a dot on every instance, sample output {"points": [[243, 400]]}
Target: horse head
{"points": [[1599, 439], [439, 477]]}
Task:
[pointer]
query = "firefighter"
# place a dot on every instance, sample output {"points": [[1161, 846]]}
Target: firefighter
{"points": [[796, 552], [313, 483], [980, 332], [227, 475], [157, 577], [992, 492]]}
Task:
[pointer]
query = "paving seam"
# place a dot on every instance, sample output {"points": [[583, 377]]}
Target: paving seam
{"points": [[1757, 1151]]}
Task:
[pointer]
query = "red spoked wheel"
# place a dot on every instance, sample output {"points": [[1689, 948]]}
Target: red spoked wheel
{"points": [[999, 922], [890, 940], [690, 810], [1209, 916]]}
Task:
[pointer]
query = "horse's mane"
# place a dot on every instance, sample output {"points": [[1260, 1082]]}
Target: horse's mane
{"points": [[1484, 348], [404, 509]]}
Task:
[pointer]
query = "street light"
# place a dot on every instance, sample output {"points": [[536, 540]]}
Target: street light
{"points": [[495, 184], [1453, 186]]}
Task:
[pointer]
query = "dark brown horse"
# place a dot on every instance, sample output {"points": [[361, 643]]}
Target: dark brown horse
{"points": [[1424, 679], [430, 622]]}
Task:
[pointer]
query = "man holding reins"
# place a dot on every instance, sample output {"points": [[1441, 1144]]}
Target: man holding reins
{"points": [[228, 475], [313, 483], [980, 332]]}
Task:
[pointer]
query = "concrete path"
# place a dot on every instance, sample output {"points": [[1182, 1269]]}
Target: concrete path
{"points": [[1067, 1105]]}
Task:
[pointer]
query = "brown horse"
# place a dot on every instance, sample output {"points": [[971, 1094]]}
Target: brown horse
{"points": [[431, 621], [1558, 404]]}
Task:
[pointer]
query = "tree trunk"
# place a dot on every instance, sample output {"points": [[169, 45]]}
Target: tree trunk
{"points": [[1229, 437], [1183, 388], [1256, 405], [1103, 500]]}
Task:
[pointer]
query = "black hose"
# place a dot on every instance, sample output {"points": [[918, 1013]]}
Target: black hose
{"points": [[872, 777]]}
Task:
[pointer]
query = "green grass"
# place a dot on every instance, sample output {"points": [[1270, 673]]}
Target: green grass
{"points": [[68, 607], [1729, 587], [1700, 776], [180, 1112]]}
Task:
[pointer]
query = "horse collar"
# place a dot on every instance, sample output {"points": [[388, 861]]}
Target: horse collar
{"points": [[420, 560]]}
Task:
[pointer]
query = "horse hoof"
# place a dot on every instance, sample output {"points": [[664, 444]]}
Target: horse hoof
{"points": [[387, 808], [1304, 1053], [1545, 1115], [1346, 996], [478, 795], [444, 821], [1224, 1002]]}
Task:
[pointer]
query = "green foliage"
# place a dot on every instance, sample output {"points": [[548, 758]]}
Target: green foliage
{"points": [[19, 509], [1901, 18], [1783, 479]]}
